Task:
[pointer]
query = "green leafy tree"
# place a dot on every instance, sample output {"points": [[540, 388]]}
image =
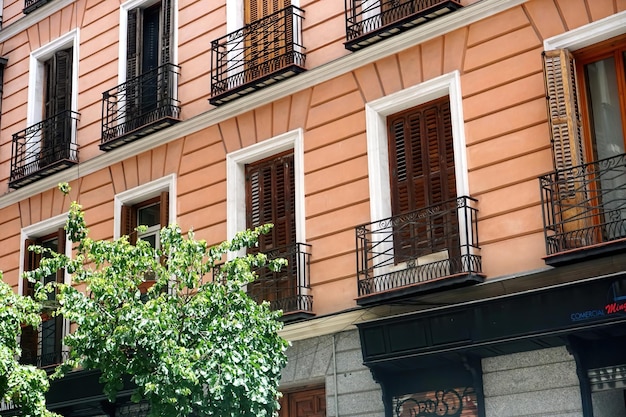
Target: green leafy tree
{"points": [[193, 343], [23, 386]]}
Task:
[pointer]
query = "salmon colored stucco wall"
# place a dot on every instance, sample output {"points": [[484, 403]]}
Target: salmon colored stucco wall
{"points": [[508, 144]]}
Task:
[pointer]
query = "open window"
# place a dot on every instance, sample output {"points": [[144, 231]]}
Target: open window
{"points": [[263, 46], [146, 100], [48, 144], [585, 198]]}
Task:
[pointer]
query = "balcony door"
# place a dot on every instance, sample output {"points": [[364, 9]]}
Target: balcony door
{"points": [[270, 198], [265, 41], [603, 73], [422, 174], [56, 132], [148, 47]]}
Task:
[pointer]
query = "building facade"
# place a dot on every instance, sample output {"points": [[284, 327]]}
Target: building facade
{"points": [[446, 178]]}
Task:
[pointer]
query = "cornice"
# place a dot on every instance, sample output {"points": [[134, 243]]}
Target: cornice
{"points": [[34, 17], [325, 325], [308, 79]]}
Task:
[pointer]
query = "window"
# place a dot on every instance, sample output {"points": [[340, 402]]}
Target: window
{"points": [[149, 37], [265, 183], [422, 167], [309, 402], [270, 198], [42, 347], [152, 213], [587, 114]]}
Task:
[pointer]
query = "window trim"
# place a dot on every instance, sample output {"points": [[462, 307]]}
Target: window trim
{"points": [[236, 186], [376, 113], [588, 34], [141, 193], [123, 35], [36, 75], [40, 229], [35, 231]]}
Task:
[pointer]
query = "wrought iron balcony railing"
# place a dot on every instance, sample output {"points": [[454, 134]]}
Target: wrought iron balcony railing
{"points": [[44, 148], [370, 21], [436, 246], [31, 5], [585, 205], [289, 289], [140, 106], [257, 55]]}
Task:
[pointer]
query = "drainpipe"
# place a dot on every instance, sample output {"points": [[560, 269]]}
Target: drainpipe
{"points": [[335, 376]]}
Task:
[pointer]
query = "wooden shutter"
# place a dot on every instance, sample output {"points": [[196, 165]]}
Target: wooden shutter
{"points": [[421, 157], [258, 9], [167, 12], [31, 260], [564, 115], [128, 223], [270, 199], [132, 44], [564, 119], [164, 209]]}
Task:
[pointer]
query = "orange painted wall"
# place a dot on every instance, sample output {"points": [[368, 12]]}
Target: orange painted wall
{"points": [[508, 145]]}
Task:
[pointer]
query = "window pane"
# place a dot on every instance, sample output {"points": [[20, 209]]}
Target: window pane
{"points": [[606, 119], [149, 216]]}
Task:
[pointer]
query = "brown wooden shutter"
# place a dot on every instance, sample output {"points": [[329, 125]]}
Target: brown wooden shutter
{"points": [[31, 260], [421, 157], [132, 44], [60, 278], [270, 199], [128, 223], [564, 119], [164, 209], [564, 115], [167, 11]]}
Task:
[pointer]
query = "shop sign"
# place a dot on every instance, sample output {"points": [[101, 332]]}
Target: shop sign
{"points": [[615, 304]]}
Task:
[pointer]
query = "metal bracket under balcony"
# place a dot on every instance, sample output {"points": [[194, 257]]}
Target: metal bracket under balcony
{"points": [[140, 106], [32, 5], [289, 289], [43, 149], [258, 55], [584, 210], [370, 21], [422, 251]]}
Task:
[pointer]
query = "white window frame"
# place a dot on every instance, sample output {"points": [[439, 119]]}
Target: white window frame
{"points": [[142, 193], [38, 230], [36, 75], [236, 180], [123, 36]]}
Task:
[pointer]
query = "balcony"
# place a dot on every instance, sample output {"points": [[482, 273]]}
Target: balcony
{"points": [[370, 21], [257, 55], [289, 289], [32, 5], [584, 210], [139, 107], [422, 251], [43, 149]]}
